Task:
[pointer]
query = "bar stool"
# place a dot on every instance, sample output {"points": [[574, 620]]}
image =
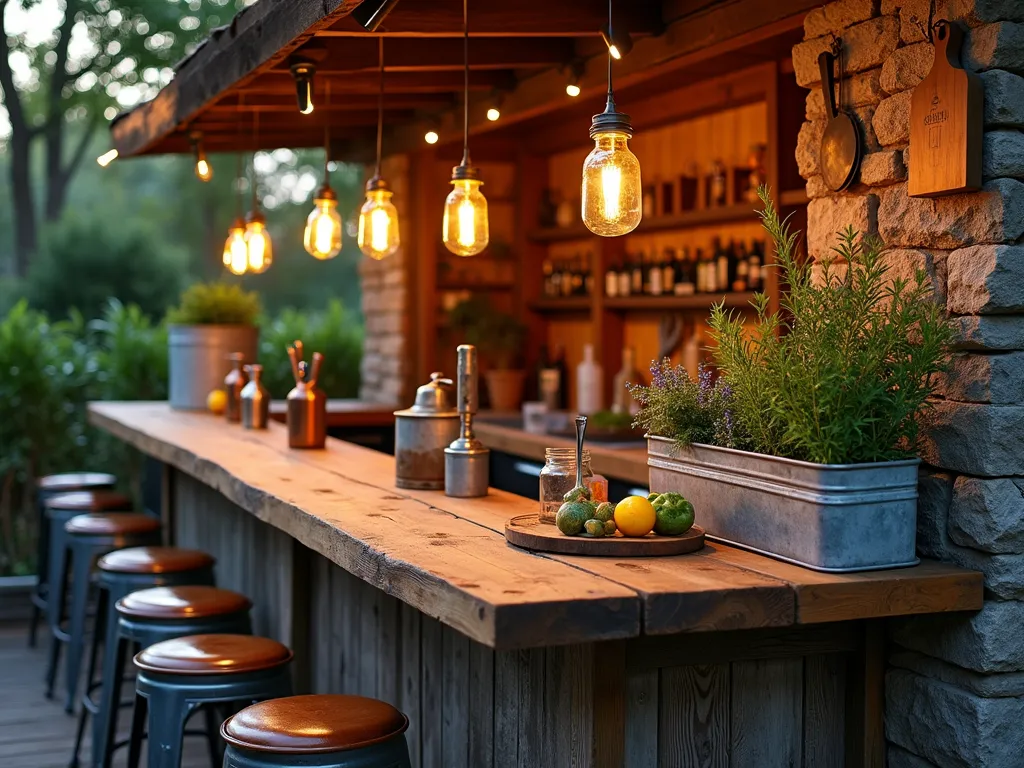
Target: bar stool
{"points": [[46, 488], [177, 677], [86, 537], [121, 572], [325, 731], [150, 616]]}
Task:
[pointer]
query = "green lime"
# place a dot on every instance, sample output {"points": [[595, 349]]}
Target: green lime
{"points": [[594, 527], [604, 511], [571, 517]]}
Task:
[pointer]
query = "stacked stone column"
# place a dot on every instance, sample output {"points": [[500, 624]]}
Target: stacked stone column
{"points": [[955, 684]]}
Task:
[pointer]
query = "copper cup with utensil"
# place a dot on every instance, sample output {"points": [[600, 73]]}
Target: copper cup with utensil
{"points": [[307, 403]]}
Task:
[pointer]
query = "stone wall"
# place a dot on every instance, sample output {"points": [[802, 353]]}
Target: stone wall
{"points": [[386, 302], [955, 684]]}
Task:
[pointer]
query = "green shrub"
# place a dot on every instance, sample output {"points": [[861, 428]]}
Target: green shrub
{"points": [[334, 333], [131, 354], [84, 261], [216, 304]]}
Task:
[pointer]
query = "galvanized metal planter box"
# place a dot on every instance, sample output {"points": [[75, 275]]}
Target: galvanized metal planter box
{"points": [[829, 517], [198, 359]]}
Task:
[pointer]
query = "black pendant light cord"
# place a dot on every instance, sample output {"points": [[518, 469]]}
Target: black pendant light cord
{"points": [[239, 170], [465, 111], [256, 135], [380, 106], [327, 132], [610, 104]]}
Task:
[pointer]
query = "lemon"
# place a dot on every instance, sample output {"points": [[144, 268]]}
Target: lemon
{"points": [[217, 401], [635, 516]]}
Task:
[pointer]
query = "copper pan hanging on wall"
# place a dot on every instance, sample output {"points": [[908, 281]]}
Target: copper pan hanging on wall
{"points": [[840, 153]]}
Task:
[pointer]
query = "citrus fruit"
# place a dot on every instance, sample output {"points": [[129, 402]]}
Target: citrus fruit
{"points": [[217, 401], [594, 527], [604, 511], [577, 494], [572, 516], [634, 516]]}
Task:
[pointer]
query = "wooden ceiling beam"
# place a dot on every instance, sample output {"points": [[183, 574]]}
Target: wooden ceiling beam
{"points": [[275, 81], [285, 102]]}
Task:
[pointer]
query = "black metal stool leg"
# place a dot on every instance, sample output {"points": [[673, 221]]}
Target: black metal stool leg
{"points": [[213, 721], [81, 567], [83, 715], [55, 607], [138, 732], [106, 731]]}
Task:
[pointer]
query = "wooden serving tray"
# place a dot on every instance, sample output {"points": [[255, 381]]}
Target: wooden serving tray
{"points": [[528, 532]]}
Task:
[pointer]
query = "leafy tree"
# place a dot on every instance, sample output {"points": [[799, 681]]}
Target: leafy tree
{"points": [[103, 56]]}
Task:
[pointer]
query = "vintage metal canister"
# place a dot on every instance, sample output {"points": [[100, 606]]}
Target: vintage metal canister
{"points": [[422, 432]]}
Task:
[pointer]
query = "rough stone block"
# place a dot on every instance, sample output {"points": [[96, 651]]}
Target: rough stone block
{"points": [[905, 263], [975, 378], [987, 686], [815, 187], [976, 12], [1004, 99], [907, 67], [988, 514], [826, 216], [1003, 154], [880, 169], [993, 215], [951, 726], [891, 121], [989, 332], [995, 46], [808, 147], [973, 438], [988, 641], [1004, 573], [986, 280], [934, 496], [900, 758], [866, 46], [837, 16], [860, 90]]}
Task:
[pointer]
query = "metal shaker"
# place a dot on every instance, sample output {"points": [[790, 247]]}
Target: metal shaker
{"points": [[422, 432], [466, 460], [233, 383], [307, 405], [255, 400]]}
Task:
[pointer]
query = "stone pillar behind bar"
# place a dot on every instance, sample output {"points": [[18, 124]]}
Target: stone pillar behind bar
{"points": [[955, 685]]}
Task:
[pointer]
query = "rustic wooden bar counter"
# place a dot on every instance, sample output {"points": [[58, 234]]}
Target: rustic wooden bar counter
{"points": [[505, 658]]}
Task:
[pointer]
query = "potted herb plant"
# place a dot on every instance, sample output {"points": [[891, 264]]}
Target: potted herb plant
{"points": [[499, 337], [803, 447], [212, 321]]}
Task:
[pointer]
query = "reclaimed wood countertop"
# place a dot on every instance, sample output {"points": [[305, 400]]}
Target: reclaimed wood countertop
{"points": [[448, 557]]}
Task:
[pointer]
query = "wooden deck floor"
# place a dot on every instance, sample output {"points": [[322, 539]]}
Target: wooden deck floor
{"points": [[34, 732]]}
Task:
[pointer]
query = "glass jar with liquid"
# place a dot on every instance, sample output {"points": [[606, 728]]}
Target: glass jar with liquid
{"points": [[559, 477]]}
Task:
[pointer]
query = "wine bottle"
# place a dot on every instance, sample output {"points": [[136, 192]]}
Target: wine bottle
{"points": [[742, 265], [611, 282], [721, 267], [754, 275], [685, 285], [654, 274], [636, 281], [668, 272], [624, 279]]}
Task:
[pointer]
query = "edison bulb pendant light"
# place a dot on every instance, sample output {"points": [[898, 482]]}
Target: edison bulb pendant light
{"points": [[378, 221], [322, 236], [611, 190], [464, 228], [236, 253], [259, 248]]}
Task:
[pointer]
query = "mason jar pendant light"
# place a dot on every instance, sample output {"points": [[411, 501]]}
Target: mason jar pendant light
{"points": [[611, 191], [377, 234], [465, 228], [236, 254], [204, 171], [259, 248], [322, 236]]}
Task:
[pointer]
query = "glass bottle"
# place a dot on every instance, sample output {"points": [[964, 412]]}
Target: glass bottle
{"points": [[255, 399], [558, 477], [233, 383]]}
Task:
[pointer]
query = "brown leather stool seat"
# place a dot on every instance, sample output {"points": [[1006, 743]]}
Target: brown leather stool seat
{"points": [[213, 654], [89, 501], [75, 481], [187, 602], [313, 724], [152, 560], [109, 524]]}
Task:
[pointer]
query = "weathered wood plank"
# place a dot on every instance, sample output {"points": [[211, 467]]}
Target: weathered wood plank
{"points": [[609, 693], [506, 709], [532, 713], [455, 698], [481, 705], [767, 712], [388, 640], [411, 684], [431, 693], [449, 568], [824, 711], [693, 717], [641, 718], [369, 637]]}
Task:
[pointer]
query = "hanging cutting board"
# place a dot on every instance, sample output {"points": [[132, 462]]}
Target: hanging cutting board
{"points": [[946, 122]]}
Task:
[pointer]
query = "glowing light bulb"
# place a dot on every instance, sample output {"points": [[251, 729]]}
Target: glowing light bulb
{"points": [[259, 248], [431, 137], [322, 236], [614, 51], [465, 228], [236, 253], [203, 169], [378, 235], [493, 114], [572, 90], [107, 158], [611, 190]]}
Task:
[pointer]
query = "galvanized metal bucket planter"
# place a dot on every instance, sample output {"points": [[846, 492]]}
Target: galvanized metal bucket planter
{"points": [[829, 517], [198, 359]]}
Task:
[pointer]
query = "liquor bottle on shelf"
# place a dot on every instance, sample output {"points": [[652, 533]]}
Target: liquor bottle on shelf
{"points": [[755, 278], [556, 280], [721, 267], [685, 275], [588, 274], [645, 271], [636, 276], [543, 364], [654, 275], [710, 271], [548, 270], [563, 377], [699, 278], [623, 278], [741, 265], [611, 282], [576, 281], [668, 272], [717, 185]]}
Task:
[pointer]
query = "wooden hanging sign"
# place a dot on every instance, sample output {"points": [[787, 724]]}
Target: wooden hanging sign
{"points": [[946, 122]]}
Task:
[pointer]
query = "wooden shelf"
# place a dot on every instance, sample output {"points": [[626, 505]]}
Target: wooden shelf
{"points": [[474, 285], [689, 219], [575, 304], [662, 303]]}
